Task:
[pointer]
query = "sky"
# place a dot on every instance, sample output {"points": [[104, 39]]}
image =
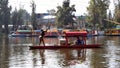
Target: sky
{"points": [[43, 5]]}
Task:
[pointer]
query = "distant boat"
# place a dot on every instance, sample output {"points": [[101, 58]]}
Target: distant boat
{"points": [[26, 33], [34, 33], [113, 31]]}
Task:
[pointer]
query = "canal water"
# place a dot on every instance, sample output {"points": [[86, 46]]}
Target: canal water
{"points": [[15, 53]]}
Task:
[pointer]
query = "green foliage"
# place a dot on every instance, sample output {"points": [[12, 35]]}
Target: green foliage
{"points": [[19, 17], [33, 17], [109, 24], [97, 12], [117, 11], [4, 14], [65, 14]]}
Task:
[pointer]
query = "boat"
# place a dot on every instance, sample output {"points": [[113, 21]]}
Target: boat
{"points": [[72, 46], [52, 33], [25, 33], [34, 33], [67, 44], [113, 31]]}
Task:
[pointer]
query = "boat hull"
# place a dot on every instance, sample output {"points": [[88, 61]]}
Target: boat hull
{"points": [[72, 46], [30, 35], [24, 35]]}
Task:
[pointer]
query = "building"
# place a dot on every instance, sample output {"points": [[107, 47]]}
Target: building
{"points": [[45, 19]]}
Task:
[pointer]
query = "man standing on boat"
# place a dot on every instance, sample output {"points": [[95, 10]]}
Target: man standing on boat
{"points": [[41, 37]]}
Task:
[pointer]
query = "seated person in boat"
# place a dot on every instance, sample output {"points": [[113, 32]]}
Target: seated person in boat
{"points": [[79, 41], [41, 37]]}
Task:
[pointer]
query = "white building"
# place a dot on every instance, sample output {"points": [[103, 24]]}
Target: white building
{"points": [[45, 18]]}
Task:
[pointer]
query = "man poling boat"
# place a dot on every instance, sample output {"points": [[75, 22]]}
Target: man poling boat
{"points": [[41, 37]]}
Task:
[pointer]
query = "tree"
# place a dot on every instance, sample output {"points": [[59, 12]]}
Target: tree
{"points": [[97, 12], [5, 14], [110, 24], [65, 14], [117, 10], [0, 17], [19, 17], [33, 17], [50, 12], [14, 19]]}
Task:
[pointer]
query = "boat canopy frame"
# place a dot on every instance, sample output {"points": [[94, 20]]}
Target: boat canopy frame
{"points": [[75, 34]]}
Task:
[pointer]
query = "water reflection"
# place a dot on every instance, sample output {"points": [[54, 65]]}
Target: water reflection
{"points": [[106, 57], [58, 58], [15, 53], [75, 57], [4, 52], [81, 55]]}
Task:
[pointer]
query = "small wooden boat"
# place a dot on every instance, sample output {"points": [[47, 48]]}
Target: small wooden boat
{"points": [[71, 46], [67, 45]]}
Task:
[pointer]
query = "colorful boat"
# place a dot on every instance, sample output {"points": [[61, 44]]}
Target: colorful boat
{"points": [[67, 45], [33, 33], [52, 33], [112, 32], [25, 33]]}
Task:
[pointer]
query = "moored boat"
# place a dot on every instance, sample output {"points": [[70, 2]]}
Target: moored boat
{"points": [[112, 32], [33, 33], [26, 33]]}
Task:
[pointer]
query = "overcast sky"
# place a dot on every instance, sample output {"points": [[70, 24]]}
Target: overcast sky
{"points": [[43, 5]]}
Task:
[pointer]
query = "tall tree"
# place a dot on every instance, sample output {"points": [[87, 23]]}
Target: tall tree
{"points": [[97, 12], [33, 17], [50, 12], [14, 19], [117, 10], [0, 17], [65, 14], [19, 17], [5, 14], [110, 17]]}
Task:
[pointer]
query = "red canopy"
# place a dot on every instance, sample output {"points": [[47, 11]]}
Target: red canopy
{"points": [[76, 33]]}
